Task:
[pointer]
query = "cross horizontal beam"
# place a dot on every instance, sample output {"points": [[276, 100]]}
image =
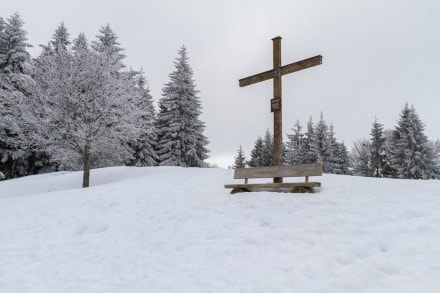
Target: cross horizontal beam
{"points": [[286, 69]]}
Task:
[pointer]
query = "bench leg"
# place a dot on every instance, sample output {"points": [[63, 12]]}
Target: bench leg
{"points": [[302, 189], [238, 190]]}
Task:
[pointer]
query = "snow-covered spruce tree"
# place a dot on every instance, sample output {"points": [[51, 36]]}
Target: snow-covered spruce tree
{"points": [[240, 159], [332, 164], [144, 146], [80, 43], [310, 147], [323, 143], [284, 159], [343, 159], [412, 158], [256, 157], [295, 153], [360, 157], [60, 39], [387, 170], [268, 149], [16, 88], [181, 141], [377, 156], [15, 59], [108, 45], [84, 112], [435, 147], [3, 93], [3, 43], [59, 42], [336, 156], [46, 49]]}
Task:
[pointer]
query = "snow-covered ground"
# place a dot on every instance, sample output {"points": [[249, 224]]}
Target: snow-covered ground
{"points": [[169, 229]]}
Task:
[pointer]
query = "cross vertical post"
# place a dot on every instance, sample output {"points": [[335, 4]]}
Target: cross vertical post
{"points": [[277, 117], [276, 103]]}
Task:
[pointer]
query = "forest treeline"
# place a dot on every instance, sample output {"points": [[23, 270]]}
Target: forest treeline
{"points": [[402, 152]]}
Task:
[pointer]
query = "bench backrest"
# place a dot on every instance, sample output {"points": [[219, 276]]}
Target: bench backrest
{"points": [[304, 170]]}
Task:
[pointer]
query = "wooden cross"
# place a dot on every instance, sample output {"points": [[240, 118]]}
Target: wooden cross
{"points": [[276, 74]]}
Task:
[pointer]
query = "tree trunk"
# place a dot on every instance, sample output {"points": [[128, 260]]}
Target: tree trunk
{"points": [[86, 168]]}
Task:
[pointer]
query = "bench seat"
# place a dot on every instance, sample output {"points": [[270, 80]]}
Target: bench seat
{"points": [[304, 170]]}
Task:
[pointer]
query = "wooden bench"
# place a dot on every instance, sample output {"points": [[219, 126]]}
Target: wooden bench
{"points": [[305, 170]]}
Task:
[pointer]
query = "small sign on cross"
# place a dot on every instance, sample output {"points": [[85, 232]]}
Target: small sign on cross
{"points": [[275, 105]]}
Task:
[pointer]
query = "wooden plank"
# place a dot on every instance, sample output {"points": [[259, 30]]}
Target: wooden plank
{"points": [[274, 185], [280, 171], [283, 70], [300, 65], [256, 78], [277, 117]]}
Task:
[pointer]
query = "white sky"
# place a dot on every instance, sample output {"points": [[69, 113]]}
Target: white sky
{"points": [[377, 55]]}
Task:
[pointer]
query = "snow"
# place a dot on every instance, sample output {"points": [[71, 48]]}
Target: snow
{"points": [[170, 229]]}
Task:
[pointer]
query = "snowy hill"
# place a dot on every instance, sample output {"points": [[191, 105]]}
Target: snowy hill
{"points": [[169, 229]]}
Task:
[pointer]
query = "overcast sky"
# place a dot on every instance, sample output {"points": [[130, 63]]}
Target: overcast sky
{"points": [[377, 55]]}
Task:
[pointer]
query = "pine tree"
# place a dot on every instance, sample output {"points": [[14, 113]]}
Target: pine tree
{"points": [[334, 151], [377, 156], [16, 88], [323, 143], [295, 152], [46, 49], [284, 155], [310, 145], [268, 149], [3, 43], [181, 140], [145, 145], [166, 143], [400, 143], [435, 150], [108, 45], [411, 156], [60, 39], [80, 43], [257, 153], [240, 159], [16, 58], [343, 159], [387, 170]]}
